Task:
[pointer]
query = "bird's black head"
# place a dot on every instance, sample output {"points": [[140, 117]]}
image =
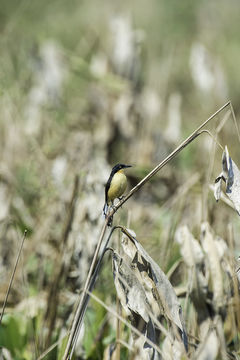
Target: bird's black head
{"points": [[118, 167]]}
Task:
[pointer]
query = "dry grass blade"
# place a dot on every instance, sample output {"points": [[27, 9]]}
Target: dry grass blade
{"points": [[224, 120], [235, 121], [12, 276], [52, 347]]}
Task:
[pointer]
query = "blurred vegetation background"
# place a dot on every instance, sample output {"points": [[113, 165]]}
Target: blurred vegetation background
{"points": [[85, 85]]}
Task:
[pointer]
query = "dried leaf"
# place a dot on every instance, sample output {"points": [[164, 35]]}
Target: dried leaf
{"points": [[171, 349], [218, 187], [213, 257], [158, 289], [193, 257], [208, 350], [222, 247], [129, 289], [132, 297], [190, 249], [231, 175], [225, 261]]}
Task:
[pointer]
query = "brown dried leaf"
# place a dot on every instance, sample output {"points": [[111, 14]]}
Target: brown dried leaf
{"points": [[129, 289], [158, 289], [132, 297]]}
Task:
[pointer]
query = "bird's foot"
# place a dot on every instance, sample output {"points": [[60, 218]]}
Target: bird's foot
{"points": [[120, 198], [110, 220], [113, 207]]}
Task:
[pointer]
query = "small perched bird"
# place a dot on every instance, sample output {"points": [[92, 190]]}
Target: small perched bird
{"points": [[115, 186]]}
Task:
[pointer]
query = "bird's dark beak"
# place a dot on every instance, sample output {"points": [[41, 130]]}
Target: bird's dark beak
{"points": [[126, 166]]}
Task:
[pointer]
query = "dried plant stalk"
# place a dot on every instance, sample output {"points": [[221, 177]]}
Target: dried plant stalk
{"points": [[78, 316], [12, 276]]}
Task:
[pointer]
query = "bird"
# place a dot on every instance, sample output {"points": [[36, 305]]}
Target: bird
{"points": [[115, 186]]}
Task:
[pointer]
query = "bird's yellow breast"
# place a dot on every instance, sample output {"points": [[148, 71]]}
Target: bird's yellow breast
{"points": [[118, 186]]}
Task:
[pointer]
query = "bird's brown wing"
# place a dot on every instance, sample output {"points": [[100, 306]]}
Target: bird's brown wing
{"points": [[107, 186]]}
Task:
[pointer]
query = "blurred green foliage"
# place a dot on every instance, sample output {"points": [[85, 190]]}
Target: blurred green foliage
{"points": [[95, 330], [14, 332]]}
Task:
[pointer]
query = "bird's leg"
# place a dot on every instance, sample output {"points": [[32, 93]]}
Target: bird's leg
{"points": [[110, 220], [112, 206], [121, 198]]}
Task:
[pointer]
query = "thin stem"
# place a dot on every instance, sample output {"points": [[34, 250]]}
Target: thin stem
{"points": [[85, 289], [13, 274], [234, 119], [222, 123], [53, 346], [93, 272], [213, 138]]}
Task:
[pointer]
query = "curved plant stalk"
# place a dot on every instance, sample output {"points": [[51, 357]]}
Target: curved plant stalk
{"points": [[79, 313], [92, 276], [172, 155]]}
